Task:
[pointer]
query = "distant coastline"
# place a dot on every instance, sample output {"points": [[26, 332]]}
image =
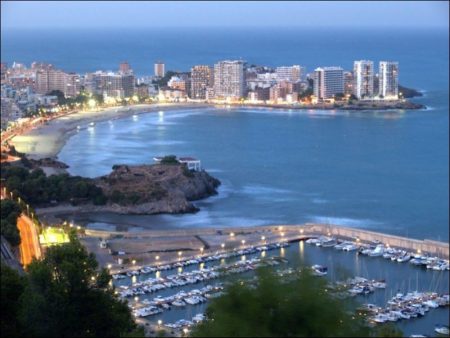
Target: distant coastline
{"points": [[46, 141]]}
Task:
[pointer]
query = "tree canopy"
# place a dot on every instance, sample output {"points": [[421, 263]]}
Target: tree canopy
{"points": [[64, 295], [36, 188], [302, 307], [10, 210]]}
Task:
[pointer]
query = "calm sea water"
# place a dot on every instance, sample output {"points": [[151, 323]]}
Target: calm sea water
{"points": [[386, 171]]}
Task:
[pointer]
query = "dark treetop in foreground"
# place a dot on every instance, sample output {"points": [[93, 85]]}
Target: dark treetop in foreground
{"points": [[302, 307], [63, 295]]}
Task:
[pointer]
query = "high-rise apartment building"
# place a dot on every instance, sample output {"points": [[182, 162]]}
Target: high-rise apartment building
{"points": [[363, 79], [49, 79], [291, 73], [348, 83], [202, 77], [229, 79], [160, 70], [328, 81], [388, 80], [111, 84]]}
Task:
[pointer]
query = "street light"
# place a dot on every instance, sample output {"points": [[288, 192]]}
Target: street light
{"points": [[243, 241], [231, 234], [222, 245], [159, 323], [109, 266], [157, 257], [133, 261], [179, 253]]}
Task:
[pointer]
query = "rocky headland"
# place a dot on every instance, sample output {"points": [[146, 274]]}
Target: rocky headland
{"points": [[154, 189]]}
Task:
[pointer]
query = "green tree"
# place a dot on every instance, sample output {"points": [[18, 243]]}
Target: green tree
{"points": [[301, 307], [12, 285], [60, 95], [10, 210], [67, 297], [169, 159]]}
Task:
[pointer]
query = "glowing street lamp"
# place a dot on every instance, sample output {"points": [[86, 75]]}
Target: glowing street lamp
{"points": [[201, 250], [133, 261], [159, 323], [231, 234], [222, 245], [243, 241], [92, 103], [179, 253], [109, 266], [157, 258]]}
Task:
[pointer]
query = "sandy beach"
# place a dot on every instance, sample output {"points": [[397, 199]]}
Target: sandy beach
{"points": [[47, 140]]}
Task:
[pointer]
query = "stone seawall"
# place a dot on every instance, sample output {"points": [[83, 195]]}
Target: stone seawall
{"points": [[431, 247], [297, 232]]}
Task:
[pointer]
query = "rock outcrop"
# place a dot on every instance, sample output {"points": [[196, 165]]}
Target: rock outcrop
{"points": [[154, 189]]}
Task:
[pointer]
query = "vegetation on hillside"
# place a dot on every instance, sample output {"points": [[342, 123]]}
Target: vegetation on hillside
{"points": [[38, 189], [10, 210], [63, 295]]}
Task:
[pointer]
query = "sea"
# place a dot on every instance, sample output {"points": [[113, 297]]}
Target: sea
{"points": [[384, 171], [381, 170]]}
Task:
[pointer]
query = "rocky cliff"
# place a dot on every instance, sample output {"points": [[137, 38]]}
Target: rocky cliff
{"points": [[153, 189]]}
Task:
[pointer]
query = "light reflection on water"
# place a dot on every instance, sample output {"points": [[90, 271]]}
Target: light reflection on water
{"points": [[399, 277]]}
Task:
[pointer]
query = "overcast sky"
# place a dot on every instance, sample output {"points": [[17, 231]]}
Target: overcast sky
{"points": [[46, 14]]}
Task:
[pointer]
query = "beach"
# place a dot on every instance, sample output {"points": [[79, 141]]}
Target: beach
{"points": [[46, 141]]}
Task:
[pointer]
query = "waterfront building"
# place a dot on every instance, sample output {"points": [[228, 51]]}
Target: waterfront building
{"points": [[260, 94], [160, 69], [3, 70], [348, 83], [279, 91], [124, 68], [202, 77], [111, 84], [210, 94], [49, 79], [10, 112], [363, 79], [388, 80], [36, 66], [229, 79], [328, 81], [142, 90], [291, 73], [176, 82], [172, 95]]}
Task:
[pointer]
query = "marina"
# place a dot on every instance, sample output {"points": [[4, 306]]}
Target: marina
{"points": [[173, 294]]}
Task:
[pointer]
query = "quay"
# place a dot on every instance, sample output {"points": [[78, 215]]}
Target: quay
{"points": [[158, 247]]}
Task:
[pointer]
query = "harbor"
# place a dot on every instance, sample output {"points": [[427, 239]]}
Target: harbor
{"points": [[173, 295]]}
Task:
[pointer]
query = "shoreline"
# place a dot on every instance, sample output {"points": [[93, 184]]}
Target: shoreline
{"points": [[46, 141]]}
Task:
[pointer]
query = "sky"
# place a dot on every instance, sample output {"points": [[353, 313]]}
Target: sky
{"points": [[137, 14]]}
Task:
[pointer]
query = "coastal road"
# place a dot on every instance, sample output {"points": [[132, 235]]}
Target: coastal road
{"points": [[29, 245]]}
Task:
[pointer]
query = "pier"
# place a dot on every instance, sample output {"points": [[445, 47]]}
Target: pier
{"points": [[155, 247]]}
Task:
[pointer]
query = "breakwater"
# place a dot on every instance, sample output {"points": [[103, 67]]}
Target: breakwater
{"points": [[293, 233]]}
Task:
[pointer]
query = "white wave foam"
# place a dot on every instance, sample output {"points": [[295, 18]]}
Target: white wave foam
{"points": [[351, 222], [260, 189], [319, 201]]}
